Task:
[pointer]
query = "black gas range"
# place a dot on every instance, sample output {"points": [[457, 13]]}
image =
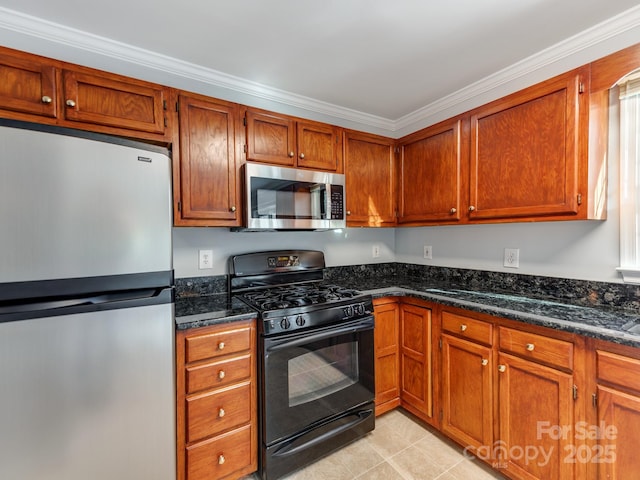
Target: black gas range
{"points": [[316, 357], [288, 290]]}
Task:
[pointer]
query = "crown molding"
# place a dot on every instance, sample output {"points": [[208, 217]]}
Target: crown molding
{"points": [[570, 47], [50, 32]]}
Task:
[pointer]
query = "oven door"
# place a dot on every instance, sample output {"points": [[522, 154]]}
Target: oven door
{"points": [[311, 376]]}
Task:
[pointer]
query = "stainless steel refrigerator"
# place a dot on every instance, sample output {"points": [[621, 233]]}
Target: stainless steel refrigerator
{"points": [[86, 307]]}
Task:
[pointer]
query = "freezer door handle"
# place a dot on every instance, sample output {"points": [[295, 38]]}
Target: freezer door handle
{"points": [[20, 311]]}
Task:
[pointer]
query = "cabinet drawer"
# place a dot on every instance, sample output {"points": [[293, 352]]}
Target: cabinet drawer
{"points": [[216, 344], [467, 327], [220, 456], [547, 350], [217, 411], [218, 374], [618, 370]]}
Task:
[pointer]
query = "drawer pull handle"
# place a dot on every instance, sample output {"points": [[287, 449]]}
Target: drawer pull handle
{"points": [[221, 346], [70, 103], [463, 327], [47, 99], [530, 347], [502, 368], [221, 374], [221, 413], [221, 459], [485, 362]]}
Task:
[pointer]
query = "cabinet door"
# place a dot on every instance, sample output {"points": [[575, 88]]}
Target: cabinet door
{"points": [[467, 397], [319, 146], [208, 161], [27, 85], [387, 366], [370, 180], [416, 389], [113, 101], [537, 426], [431, 173], [527, 148], [619, 423], [270, 138]]}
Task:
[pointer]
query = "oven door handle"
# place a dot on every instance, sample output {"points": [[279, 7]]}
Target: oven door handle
{"points": [[293, 446], [273, 345]]}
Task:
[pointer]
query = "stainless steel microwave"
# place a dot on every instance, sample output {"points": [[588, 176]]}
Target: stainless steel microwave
{"points": [[280, 198]]}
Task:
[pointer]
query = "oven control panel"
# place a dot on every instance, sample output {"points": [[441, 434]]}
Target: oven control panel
{"points": [[283, 261], [292, 321]]}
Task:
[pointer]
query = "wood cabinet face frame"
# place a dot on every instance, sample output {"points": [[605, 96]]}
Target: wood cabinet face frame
{"points": [[216, 412]]}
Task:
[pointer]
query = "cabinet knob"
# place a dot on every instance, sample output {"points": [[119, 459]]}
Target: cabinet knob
{"points": [[291, 154], [221, 413], [502, 368], [221, 346], [472, 208], [302, 155], [348, 212], [221, 459], [233, 208], [453, 210], [485, 362], [463, 327], [70, 103], [221, 374], [530, 347], [46, 99]]}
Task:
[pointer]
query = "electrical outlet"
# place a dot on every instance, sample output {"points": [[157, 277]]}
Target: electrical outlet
{"points": [[205, 259], [375, 251], [427, 252], [512, 257]]}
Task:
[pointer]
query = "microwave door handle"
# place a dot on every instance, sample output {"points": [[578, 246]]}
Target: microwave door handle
{"points": [[280, 344]]}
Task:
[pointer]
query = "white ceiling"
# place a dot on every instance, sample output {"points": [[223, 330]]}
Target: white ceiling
{"points": [[380, 58]]}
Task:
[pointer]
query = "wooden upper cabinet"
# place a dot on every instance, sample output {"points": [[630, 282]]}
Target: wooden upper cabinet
{"points": [[432, 166], [207, 163], [528, 151], [27, 85], [43, 90], [370, 170], [319, 146], [105, 99], [270, 138], [283, 140]]}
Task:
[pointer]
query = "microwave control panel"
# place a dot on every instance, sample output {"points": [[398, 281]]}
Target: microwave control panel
{"points": [[337, 202]]}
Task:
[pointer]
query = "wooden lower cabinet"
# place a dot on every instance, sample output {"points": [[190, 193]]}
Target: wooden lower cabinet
{"points": [[535, 404], [416, 359], [617, 402], [507, 389], [467, 392], [387, 358], [216, 401]]}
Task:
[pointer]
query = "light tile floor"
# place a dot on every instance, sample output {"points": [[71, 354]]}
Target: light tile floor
{"points": [[400, 448]]}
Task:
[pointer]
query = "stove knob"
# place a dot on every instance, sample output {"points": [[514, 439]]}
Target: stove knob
{"points": [[300, 321], [348, 311], [285, 323], [359, 308]]}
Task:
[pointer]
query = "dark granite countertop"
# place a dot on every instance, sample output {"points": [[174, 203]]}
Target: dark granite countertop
{"points": [[200, 311], [560, 310]]}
